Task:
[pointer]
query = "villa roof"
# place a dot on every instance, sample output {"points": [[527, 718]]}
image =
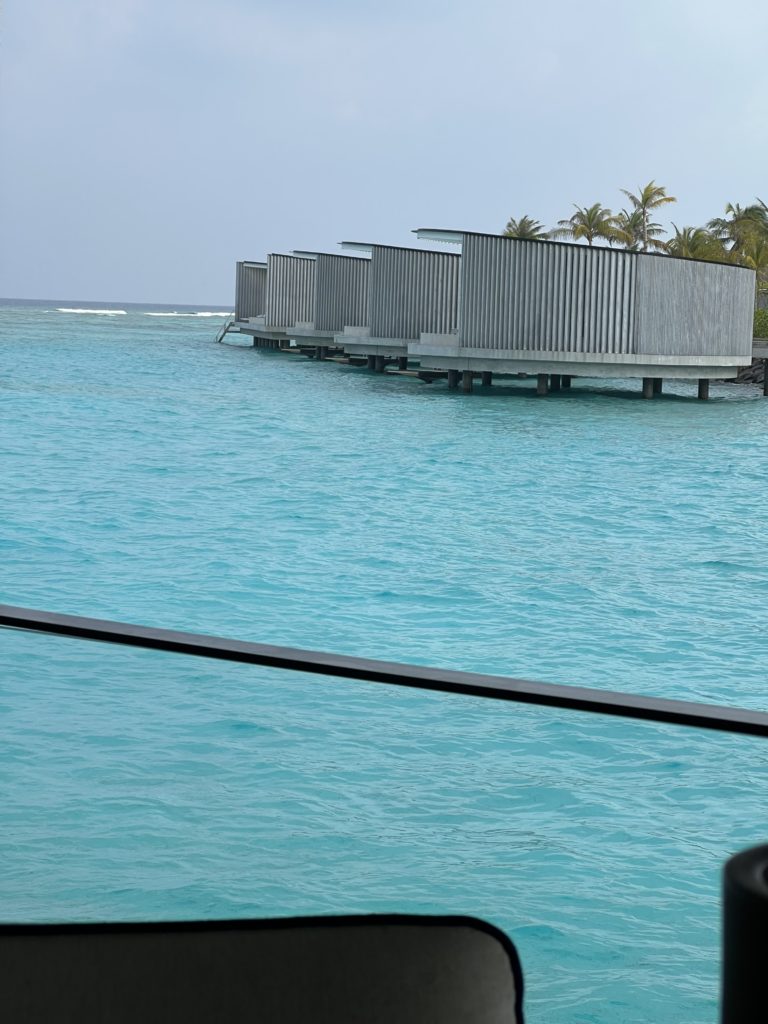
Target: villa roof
{"points": [[455, 237]]}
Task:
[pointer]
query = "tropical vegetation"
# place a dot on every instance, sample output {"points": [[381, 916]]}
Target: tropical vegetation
{"points": [[740, 236], [526, 227], [588, 223]]}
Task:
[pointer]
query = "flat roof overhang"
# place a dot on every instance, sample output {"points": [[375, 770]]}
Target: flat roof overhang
{"points": [[451, 236], [305, 254], [370, 246]]}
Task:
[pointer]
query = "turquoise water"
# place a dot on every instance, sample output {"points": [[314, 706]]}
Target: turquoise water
{"points": [[588, 537]]}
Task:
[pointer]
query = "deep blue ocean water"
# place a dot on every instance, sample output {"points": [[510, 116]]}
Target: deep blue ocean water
{"points": [[588, 537]]}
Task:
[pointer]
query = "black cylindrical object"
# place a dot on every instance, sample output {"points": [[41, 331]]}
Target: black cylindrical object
{"points": [[744, 979]]}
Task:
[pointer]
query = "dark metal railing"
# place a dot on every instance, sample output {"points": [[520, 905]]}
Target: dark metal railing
{"points": [[470, 684], [744, 997]]}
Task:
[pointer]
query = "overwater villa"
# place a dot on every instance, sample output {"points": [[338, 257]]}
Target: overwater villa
{"points": [[309, 297], [410, 292], [557, 310], [250, 290], [507, 307]]}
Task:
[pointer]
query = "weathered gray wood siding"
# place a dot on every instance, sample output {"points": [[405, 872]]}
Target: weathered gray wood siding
{"points": [[534, 296], [291, 284], [412, 291], [693, 309], [341, 293], [250, 289], [561, 298]]}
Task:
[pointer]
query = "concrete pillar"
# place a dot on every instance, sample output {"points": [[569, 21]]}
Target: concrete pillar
{"points": [[765, 378], [565, 381], [658, 384], [466, 381], [703, 388], [402, 362], [453, 378], [554, 382], [370, 362], [648, 387], [542, 383], [486, 378], [320, 352], [381, 363]]}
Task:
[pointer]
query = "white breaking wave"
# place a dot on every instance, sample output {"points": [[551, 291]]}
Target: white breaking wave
{"points": [[188, 314], [98, 312]]}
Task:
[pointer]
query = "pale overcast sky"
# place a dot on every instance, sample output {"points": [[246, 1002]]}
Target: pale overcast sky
{"points": [[149, 144]]}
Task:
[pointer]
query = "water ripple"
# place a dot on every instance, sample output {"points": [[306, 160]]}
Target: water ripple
{"points": [[585, 538]]}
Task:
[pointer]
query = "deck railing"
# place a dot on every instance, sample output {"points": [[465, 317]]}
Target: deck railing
{"points": [[744, 997], [722, 718]]}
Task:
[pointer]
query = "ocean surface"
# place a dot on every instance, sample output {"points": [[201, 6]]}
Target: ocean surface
{"points": [[589, 537]]}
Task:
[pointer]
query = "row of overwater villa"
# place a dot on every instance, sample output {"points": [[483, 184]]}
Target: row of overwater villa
{"points": [[504, 307]]}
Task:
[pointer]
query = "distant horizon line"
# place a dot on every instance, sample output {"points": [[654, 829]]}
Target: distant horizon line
{"points": [[120, 302]]}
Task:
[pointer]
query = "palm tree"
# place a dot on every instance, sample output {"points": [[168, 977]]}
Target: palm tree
{"points": [[650, 197], [588, 223], [740, 224], [754, 254], [629, 228], [696, 244], [526, 227]]}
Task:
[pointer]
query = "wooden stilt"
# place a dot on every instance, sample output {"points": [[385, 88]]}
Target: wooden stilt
{"points": [[453, 378], [486, 378], [703, 388], [647, 387], [320, 352], [554, 381], [370, 362], [402, 362], [542, 383], [658, 385], [381, 363], [466, 381]]}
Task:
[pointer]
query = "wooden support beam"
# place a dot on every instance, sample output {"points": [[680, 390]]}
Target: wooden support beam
{"points": [[453, 378], [486, 378], [542, 383], [648, 387], [466, 381], [703, 388]]}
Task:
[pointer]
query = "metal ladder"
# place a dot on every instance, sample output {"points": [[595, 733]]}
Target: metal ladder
{"points": [[225, 328]]}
